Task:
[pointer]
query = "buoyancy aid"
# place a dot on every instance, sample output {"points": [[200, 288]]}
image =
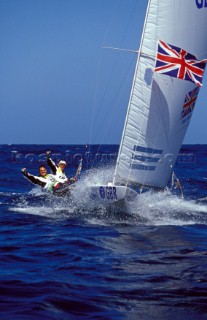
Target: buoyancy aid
{"points": [[51, 181], [60, 175]]}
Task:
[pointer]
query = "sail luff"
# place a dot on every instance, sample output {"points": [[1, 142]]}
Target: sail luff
{"points": [[131, 93]]}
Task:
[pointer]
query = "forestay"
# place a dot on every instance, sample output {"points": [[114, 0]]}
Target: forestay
{"points": [[161, 103]]}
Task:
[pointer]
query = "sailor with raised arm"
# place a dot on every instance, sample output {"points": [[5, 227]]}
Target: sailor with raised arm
{"points": [[44, 180], [49, 182], [58, 171]]}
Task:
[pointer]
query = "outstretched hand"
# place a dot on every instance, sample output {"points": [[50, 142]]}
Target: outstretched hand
{"points": [[48, 153], [24, 170]]}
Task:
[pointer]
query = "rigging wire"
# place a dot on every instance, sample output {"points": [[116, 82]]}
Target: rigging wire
{"points": [[117, 95], [115, 101], [98, 77], [97, 83]]}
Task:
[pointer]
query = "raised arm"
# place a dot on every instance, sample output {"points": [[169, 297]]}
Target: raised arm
{"points": [[34, 179], [51, 163]]}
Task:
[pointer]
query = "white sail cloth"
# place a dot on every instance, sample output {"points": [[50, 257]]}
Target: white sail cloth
{"points": [[157, 118]]}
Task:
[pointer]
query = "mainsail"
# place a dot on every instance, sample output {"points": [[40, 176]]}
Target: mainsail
{"points": [[164, 92]]}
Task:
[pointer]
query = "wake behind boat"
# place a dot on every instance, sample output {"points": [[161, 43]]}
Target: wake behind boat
{"points": [[167, 80]]}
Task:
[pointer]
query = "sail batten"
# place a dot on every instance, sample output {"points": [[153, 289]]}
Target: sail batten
{"points": [[161, 103]]}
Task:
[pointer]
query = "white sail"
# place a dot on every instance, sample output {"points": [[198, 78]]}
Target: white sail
{"points": [[157, 120]]}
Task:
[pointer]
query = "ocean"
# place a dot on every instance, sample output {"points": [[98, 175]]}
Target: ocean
{"points": [[60, 259]]}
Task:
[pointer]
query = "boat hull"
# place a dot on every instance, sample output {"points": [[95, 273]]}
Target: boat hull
{"points": [[111, 195]]}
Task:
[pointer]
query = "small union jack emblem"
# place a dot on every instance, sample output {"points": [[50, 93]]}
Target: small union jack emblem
{"points": [[189, 102], [178, 63]]}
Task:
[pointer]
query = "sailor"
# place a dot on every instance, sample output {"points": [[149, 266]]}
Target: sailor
{"points": [[58, 171], [44, 180], [48, 181]]}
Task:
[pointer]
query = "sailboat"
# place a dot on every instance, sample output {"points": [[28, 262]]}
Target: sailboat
{"points": [[167, 80]]}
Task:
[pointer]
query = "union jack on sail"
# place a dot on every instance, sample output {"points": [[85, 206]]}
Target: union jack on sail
{"points": [[189, 102], [178, 63]]}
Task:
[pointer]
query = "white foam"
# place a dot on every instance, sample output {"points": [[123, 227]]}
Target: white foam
{"points": [[149, 208], [167, 209]]}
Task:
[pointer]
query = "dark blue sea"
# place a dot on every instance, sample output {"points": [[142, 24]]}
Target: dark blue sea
{"points": [[60, 259]]}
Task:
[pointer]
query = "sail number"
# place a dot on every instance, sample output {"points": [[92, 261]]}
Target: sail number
{"points": [[108, 193], [201, 3]]}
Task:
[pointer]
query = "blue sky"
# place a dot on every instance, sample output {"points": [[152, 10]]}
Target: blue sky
{"points": [[54, 79]]}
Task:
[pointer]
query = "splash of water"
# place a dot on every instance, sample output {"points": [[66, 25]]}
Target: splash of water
{"points": [[163, 208], [148, 208]]}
